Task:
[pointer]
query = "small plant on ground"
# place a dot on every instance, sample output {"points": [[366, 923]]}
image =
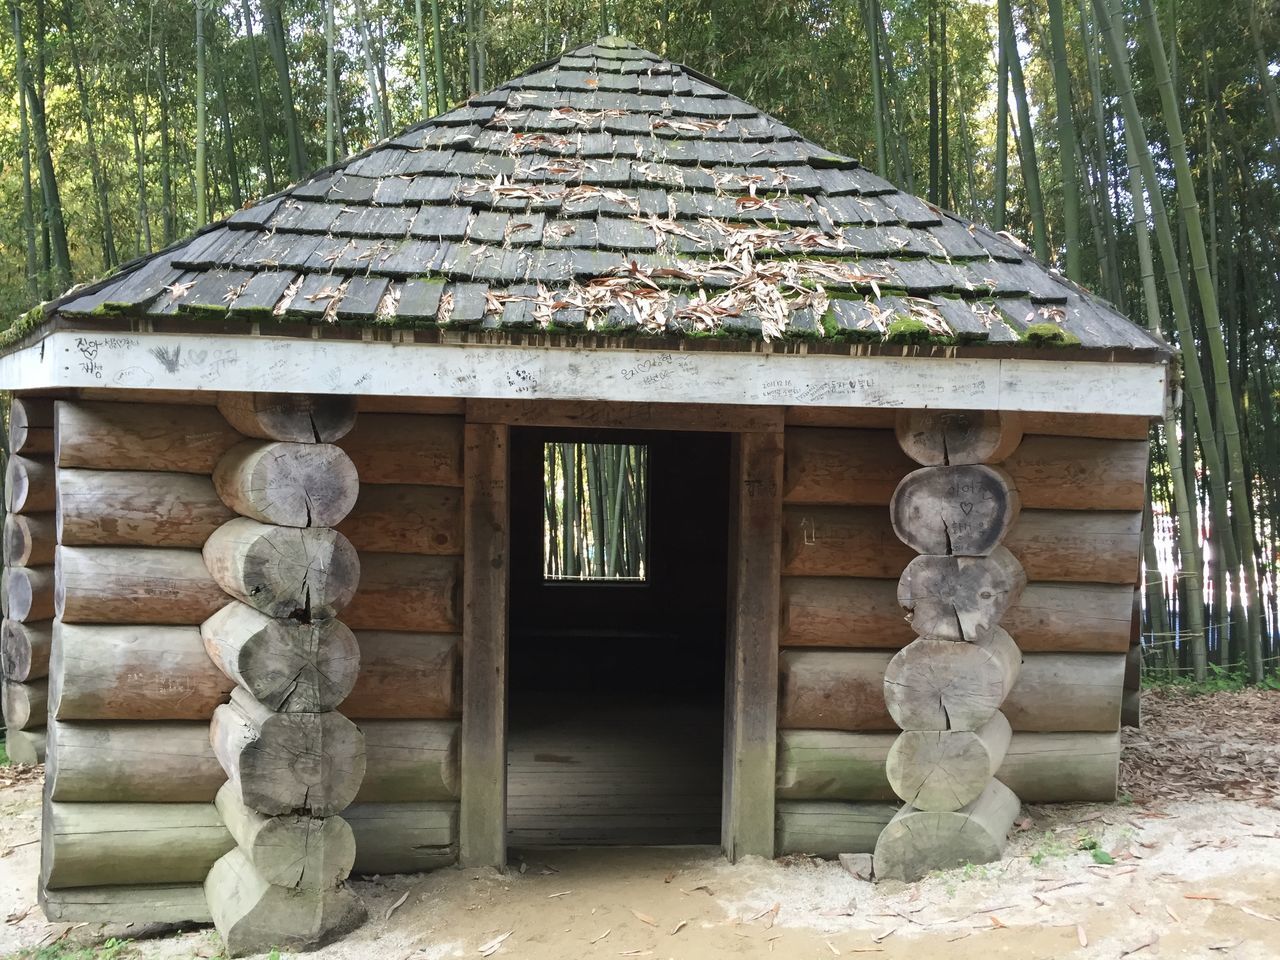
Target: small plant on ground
{"points": [[112, 949]]}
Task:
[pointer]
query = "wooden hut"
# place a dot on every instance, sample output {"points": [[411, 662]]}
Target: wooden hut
{"points": [[277, 566]]}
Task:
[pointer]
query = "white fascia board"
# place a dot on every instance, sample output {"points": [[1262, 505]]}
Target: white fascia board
{"points": [[155, 361]]}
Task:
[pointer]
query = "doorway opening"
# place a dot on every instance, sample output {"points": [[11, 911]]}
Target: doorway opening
{"points": [[616, 666]]}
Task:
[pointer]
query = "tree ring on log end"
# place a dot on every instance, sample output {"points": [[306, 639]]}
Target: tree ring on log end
{"points": [[939, 438], [960, 598], [954, 511]]}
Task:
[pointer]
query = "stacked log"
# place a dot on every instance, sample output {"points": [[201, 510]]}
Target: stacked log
{"points": [[1077, 539], [406, 527], [27, 589], [130, 829], [945, 689], [292, 761]]}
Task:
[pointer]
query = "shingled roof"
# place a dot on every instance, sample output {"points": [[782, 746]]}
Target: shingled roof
{"points": [[611, 190]]}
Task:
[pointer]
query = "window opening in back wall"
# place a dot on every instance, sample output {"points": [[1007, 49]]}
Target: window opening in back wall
{"points": [[595, 511]]}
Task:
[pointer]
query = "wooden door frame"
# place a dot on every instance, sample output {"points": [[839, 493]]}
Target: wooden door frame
{"points": [[751, 695]]}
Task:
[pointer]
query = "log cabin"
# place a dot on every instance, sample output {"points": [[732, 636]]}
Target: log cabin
{"points": [[288, 583]]}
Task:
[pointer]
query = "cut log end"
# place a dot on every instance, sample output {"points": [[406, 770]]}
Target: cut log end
{"points": [[916, 842], [947, 769], [950, 685], [288, 483], [306, 573], [954, 511], [937, 438], [960, 598], [300, 418], [288, 666]]}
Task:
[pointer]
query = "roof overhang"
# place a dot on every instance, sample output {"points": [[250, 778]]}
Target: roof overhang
{"points": [[226, 362]]}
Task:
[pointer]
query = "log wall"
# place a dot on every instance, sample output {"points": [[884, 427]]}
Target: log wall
{"points": [[130, 828], [1077, 537], [406, 527], [27, 588]]}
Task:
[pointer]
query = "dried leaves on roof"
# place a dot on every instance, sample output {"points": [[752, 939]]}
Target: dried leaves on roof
{"points": [[613, 190]]}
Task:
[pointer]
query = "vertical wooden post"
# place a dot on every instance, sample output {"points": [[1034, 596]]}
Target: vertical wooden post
{"points": [[482, 817], [752, 694]]}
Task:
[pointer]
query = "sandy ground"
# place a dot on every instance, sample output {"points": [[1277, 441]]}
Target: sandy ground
{"points": [[1192, 878]]}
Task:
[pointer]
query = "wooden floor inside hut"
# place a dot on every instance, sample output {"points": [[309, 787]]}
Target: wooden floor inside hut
{"points": [[613, 771]]}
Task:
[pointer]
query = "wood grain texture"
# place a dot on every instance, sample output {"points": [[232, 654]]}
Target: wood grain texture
{"points": [[282, 763], [482, 815], [961, 511], [1079, 473], [132, 762], [1071, 617], [403, 837], [133, 672], [960, 598], [1067, 692], [828, 829], [947, 769], [752, 708], [24, 649], [109, 844], [142, 904], [29, 593], [1062, 767], [826, 541], [834, 765], [408, 676], [292, 484], [845, 467], [282, 571], [842, 612], [25, 705], [307, 853], [254, 916], [145, 585], [406, 518], [951, 685], [406, 448], [141, 436], [405, 591], [137, 508], [916, 842], [296, 417], [29, 539], [289, 666], [31, 425], [833, 690], [29, 485], [937, 438], [1078, 546], [409, 761]]}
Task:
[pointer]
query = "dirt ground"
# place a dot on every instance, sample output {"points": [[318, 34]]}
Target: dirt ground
{"points": [[1196, 845]]}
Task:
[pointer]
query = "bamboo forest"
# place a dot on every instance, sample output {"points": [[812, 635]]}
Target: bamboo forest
{"points": [[1131, 144]]}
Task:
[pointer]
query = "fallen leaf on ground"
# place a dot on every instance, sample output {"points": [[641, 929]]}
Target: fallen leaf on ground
{"points": [[644, 918], [490, 948], [396, 906], [1254, 913], [1082, 936], [602, 936], [1154, 939], [1172, 913], [678, 927], [562, 893]]}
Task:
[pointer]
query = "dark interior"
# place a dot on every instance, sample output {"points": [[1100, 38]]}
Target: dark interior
{"points": [[617, 688]]}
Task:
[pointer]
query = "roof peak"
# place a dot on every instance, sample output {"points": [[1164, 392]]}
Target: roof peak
{"points": [[610, 189]]}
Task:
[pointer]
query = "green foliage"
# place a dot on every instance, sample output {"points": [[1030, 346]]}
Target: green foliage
{"points": [[1217, 680], [4, 755], [112, 949], [1049, 848], [1049, 335], [908, 330]]}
